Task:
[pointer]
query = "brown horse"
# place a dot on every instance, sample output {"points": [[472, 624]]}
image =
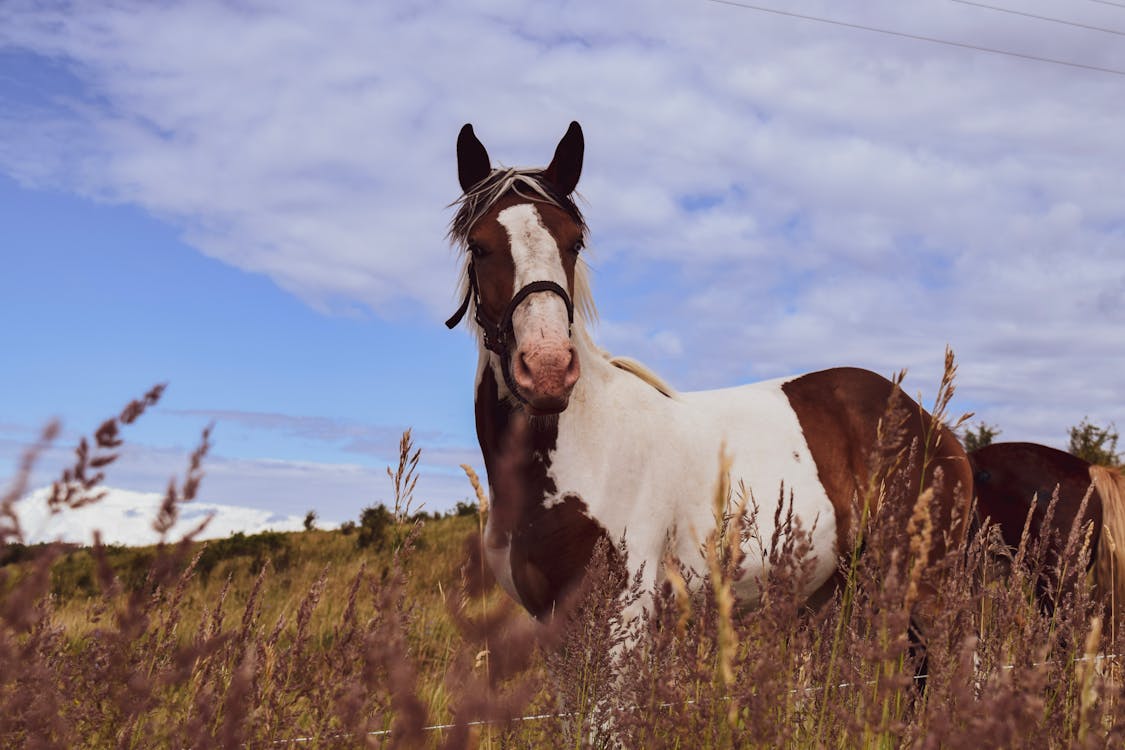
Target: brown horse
{"points": [[1015, 479], [581, 446]]}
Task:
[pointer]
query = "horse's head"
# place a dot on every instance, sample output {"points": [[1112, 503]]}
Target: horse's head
{"points": [[523, 234]]}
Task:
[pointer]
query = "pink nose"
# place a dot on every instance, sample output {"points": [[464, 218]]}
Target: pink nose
{"points": [[545, 373]]}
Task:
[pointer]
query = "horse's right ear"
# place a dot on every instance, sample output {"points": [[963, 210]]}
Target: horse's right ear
{"points": [[473, 164]]}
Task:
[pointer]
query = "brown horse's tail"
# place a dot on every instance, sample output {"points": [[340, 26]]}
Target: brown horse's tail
{"points": [[1109, 570]]}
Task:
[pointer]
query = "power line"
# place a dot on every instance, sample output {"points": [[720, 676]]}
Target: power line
{"points": [[918, 37], [1039, 18], [1107, 2]]}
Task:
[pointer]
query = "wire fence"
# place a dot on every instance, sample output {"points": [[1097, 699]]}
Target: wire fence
{"points": [[1098, 660]]}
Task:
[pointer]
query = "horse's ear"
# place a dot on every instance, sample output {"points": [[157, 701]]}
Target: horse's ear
{"points": [[565, 169], [473, 164]]}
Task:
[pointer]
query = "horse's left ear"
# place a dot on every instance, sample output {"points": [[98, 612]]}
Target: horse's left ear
{"points": [[565, 169]]}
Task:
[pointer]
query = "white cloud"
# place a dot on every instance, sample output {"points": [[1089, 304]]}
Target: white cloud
{"points": [[639, 341], [868, 198], [125, 517]]}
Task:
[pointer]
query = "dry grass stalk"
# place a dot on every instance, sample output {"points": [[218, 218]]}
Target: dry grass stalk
{"points": [[334, 648], [1085, 673], [10, 531], [673, 573], [723, 554], [405, 477], [920, 532], [482, 513], [474, 480]]}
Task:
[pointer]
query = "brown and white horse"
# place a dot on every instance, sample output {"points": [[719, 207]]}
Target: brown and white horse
{"points": [[1015, 480], [580, 446]]}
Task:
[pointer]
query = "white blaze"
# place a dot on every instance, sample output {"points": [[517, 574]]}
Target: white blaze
{"points": [[542, 317]]}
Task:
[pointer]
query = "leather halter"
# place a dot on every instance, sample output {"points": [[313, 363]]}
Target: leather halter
{"points": [[499, 338]]}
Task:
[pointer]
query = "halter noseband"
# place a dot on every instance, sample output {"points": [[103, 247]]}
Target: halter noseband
{"points": [[499, 338]]}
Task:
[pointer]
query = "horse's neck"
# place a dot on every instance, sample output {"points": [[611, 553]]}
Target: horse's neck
{"points": [[516, 452], [590, 392], [504, 430], [526, 457]]}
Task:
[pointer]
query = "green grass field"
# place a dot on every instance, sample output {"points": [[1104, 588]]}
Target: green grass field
{"points": [[374, 636]]}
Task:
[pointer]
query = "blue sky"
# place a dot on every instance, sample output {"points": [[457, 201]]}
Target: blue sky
{"points": [[248, 201], [111, 301]]}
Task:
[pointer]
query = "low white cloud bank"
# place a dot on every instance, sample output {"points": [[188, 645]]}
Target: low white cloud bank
{"points": [[253, 491], [126, 517]]}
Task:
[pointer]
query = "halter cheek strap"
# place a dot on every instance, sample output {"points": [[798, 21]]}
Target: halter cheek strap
{"points": [[499, 338]]}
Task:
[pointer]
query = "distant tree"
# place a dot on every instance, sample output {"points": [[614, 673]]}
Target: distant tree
{"points": [[310, 520], [978, 437], [374, 521], [1095, 444], [464, 508], [347, 527]]}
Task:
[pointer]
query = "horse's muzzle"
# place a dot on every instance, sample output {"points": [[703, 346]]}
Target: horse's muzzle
{"points": [[545, 373]]}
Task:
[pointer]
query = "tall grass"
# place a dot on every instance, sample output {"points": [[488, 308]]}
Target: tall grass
{"points": [[257, 641]]}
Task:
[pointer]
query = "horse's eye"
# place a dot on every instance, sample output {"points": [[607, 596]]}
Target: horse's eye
{"points": [[477, 250], [577, 247]]}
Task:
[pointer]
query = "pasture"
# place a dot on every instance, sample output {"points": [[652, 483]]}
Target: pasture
{"points": [[762, 536], [406, 642]]}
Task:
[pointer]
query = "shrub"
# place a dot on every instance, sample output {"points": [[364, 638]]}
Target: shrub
{"points": [[75, 571], [374, 523], [72, 575], [464, 508], [266, 545]]}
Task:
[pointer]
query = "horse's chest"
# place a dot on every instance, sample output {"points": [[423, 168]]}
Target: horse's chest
{"points": [[548, 551]]}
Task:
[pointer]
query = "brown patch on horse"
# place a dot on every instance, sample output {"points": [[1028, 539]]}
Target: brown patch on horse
{"points": [[550, 546], [1007, 476], [550, 552], [839, 411]]}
